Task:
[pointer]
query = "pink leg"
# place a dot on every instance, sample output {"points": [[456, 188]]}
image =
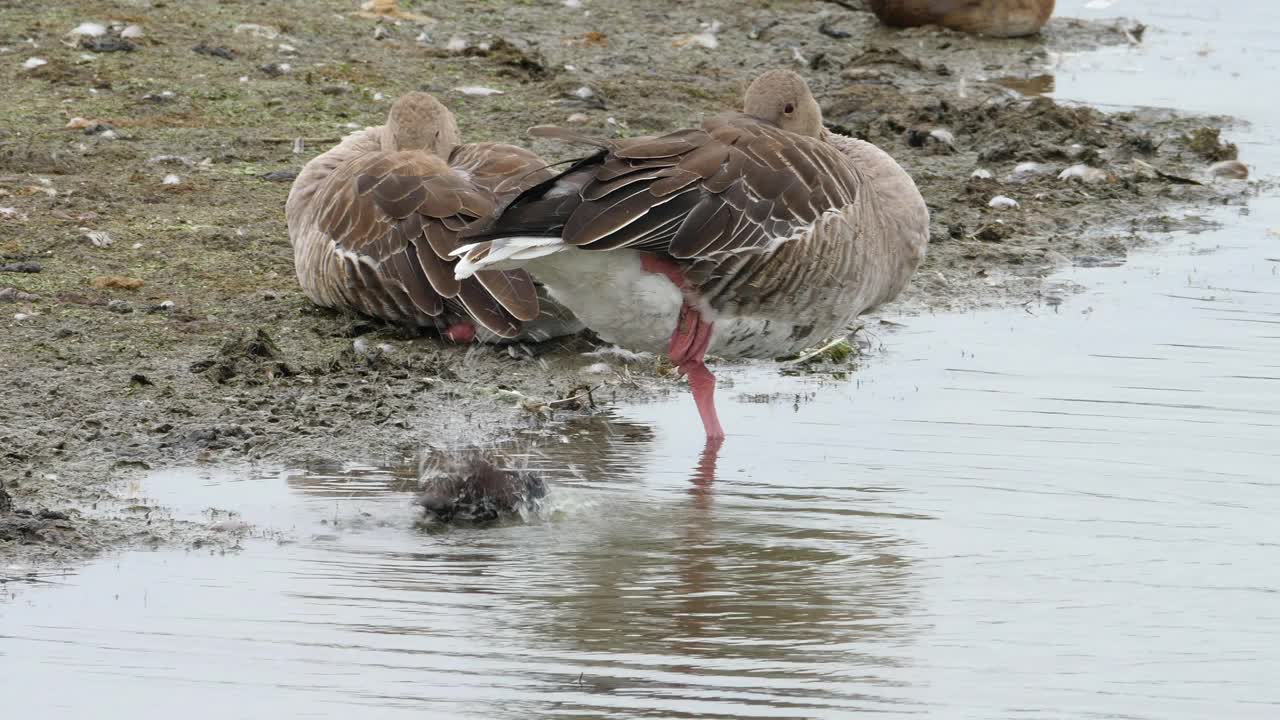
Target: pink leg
{"points": [[463, 332], [688, 346], [703, 385]]}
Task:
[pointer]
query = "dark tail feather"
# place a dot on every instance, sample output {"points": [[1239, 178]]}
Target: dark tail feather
{"points": [[542, 210]]}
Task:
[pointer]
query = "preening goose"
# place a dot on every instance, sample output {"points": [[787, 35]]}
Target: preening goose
{"points": [[373, 222], [755, 235], [998, 18]]}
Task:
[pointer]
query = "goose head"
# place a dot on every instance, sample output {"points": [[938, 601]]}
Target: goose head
{"points": [[782, 97], [418, 121]]}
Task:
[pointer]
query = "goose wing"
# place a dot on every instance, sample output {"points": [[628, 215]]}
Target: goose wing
{"points": [[394, 218]]}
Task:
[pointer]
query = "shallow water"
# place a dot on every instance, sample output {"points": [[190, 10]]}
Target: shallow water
{"points": [[1063, 510]]}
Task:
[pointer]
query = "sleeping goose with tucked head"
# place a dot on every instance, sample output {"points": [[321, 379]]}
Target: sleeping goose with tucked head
{"points": [[755, 235], [997, 18], [373, 222]]}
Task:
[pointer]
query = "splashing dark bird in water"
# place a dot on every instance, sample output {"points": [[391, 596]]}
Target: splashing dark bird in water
{"points": [[471, 488]]}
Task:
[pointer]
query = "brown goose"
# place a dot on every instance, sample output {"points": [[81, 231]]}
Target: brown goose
{"points": [[373, 220], [998, 18], [754, 235]]}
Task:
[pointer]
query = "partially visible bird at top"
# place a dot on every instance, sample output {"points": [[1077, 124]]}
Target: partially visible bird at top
{"points": [[997, 18]]}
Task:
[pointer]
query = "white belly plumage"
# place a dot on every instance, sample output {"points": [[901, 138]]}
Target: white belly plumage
{"points": [[628, 306], [613, 295]]}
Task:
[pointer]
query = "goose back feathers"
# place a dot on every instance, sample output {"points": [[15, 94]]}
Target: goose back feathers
{"points": [[785, 237]]}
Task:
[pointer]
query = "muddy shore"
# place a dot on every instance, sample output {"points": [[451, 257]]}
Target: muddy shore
{"points": [[149, 315]]}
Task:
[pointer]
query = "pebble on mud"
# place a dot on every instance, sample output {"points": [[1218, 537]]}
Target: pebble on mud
{"points": [[89, 29], [1027, 170], [981, 174], [12, 294], [1233, 169], [21, 267], [478, 90], [99, 238], [171, 179], [456, 44], [265, 32], [34, 62], [705, 39], [1084, 174], [275, 69], [1001, 202], [931, 139]]}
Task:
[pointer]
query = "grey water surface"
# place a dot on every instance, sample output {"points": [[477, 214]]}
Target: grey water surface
{"points": [[1059, 511]]}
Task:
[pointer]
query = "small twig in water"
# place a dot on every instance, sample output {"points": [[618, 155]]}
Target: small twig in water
{"points": [[814, 353], [574, 398]]}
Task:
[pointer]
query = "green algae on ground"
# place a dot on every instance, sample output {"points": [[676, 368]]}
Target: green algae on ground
{"points": [[1207, 142]]}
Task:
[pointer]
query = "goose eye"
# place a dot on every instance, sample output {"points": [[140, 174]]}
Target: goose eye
{"points": [[789, 109]]}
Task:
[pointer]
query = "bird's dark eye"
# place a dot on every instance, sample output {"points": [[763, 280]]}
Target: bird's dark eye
{"points": [[789, 109]]}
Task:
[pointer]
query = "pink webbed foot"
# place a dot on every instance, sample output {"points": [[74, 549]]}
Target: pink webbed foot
{"points": [[463, 332]]}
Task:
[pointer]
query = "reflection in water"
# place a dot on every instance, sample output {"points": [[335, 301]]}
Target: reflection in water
{"points": [[733, 580], [704, 473]]}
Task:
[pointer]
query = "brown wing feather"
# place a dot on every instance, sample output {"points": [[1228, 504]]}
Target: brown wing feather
{"points": [[503, 170], [734, 185], [484, 309], [513, 290], [395, 217]]}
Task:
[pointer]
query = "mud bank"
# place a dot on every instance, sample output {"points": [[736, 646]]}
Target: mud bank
{"points": [[150, 315]]}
